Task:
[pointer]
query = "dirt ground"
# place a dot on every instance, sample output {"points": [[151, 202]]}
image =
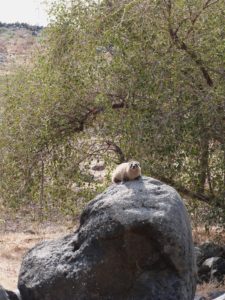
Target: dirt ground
{"points": [[13, 245]]}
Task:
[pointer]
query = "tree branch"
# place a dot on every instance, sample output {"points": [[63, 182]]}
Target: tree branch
{"points": [[194, 20], [211, 200], [117, 150], [182, 46], [209, 3]]}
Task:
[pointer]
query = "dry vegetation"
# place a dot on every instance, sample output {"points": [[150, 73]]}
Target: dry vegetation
{"points": [[16, 45], [215, 234], [206, 288], [13, 245], [16, 238]]}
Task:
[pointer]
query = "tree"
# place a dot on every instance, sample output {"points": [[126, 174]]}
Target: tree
{"points": [[139, 78]]}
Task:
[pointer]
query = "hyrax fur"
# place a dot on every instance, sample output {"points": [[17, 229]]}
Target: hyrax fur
{"points": [[126, 171]]}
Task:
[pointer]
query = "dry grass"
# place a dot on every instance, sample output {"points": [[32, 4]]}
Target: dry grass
{"points": [[206, 288], [213, 234], [16, 46], [13, 245]]}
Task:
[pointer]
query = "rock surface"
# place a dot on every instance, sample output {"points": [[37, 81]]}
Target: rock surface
{"points": [[216, 294], [210, 262], [8, 295], [134, 242], [208, 250], [3, 294]]}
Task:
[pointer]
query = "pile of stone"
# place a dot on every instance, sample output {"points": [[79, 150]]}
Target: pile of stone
{"points": [[210, 263], [211, 268]]}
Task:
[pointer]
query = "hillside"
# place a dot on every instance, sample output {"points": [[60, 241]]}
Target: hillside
{"points": [[16, 42]]}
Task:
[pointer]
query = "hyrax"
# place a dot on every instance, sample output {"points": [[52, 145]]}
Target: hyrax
{"points": [[126, 171]]}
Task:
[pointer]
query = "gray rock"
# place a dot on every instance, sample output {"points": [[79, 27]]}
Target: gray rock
{"points": [[8, 295], [198, 255], [212, 269], [218, 270], [222, 297], [134, 242], [204, 273], [209, 250], [3, 294], [210, 262], [216, 294]]}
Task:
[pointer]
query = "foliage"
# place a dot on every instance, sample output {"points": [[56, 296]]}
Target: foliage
{"points": [[142, 79], [20, 25]]}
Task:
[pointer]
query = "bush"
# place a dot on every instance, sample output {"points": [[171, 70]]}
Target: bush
{"points": [[142, 79]]}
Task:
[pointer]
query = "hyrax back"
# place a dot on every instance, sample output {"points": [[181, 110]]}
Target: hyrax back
{"points": [[126, 171]]}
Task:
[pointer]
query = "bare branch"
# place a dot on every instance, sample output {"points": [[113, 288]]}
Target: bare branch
{"points": [[183, 46], [180, 24], [211, 200], [169, 6], [117, 150], [209, 3], [168, 9], [189, 10], [196, 17], [220, 71]]}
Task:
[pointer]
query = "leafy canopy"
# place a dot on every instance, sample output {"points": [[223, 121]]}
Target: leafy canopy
{"points": [[119, 79]]}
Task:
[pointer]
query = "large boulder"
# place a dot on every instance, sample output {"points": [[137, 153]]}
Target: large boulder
{"points": [[134, 242]]}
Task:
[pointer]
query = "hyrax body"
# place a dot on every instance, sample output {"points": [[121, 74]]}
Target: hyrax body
{"points": [[126, 171]]}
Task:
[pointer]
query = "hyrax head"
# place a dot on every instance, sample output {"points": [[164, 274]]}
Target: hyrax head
{"points": [[134, 165]]}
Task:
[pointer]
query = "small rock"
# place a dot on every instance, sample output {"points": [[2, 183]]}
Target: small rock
{"points": [[209, 250], [214, 267], [3, 295], [216, 294], [198, 255], [209, 262], [29, 231], [8, 295], [98, 167], [204, 274]]}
